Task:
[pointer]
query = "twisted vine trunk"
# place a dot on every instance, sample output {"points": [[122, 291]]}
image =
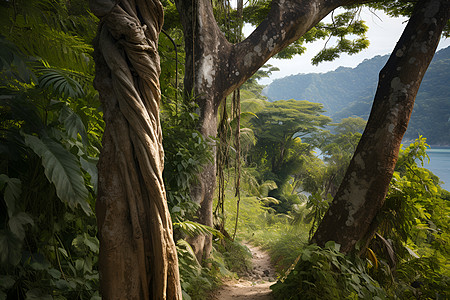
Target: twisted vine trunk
{"points": [[138, 258]]}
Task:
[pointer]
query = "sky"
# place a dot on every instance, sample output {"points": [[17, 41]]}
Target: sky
{"points": [[383, 34]]}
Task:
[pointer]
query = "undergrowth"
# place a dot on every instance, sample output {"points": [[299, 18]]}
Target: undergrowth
{"points": [[236, 256], [327, 274], [279, 234], [228, 259]]}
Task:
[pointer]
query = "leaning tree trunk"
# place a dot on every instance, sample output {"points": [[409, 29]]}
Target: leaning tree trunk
{"points": [[361, 194], [138, 258]]}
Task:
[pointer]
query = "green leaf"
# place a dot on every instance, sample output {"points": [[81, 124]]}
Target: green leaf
{"points": [[62, 169], [91, 242], [65, 285], [63, 252], [89, 164], [17, 222], [306, 255], [332, 246], [38, 262], [96, 296], [6, 282], [10, 248], [186, 296], [183, 244], [37, 294], [12, 192], [73, 124], [79, 264]]}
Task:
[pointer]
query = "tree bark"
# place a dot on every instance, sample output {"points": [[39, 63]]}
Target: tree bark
{"points": [[215, 67], [138, 258], [361, 194]]}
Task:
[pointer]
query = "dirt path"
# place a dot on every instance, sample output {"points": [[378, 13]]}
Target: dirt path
{"points": [[255, 286]]}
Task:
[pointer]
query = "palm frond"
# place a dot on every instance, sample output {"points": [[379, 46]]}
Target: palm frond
{"points": [[60, 83]]}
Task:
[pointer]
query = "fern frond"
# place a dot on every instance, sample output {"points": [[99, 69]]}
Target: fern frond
{"points": [[182, 244], [60, 49], [193, 228]]}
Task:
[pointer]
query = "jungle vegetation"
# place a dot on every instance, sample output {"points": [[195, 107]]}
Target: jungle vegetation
{"points": [[279, 164]]}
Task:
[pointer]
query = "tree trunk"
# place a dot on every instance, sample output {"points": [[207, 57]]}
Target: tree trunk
{"points": [[366, 182], [138, 258], [201, 81], [215, 67]]}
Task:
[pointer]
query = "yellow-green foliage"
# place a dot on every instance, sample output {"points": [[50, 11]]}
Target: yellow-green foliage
{"points": [[281, 234]]}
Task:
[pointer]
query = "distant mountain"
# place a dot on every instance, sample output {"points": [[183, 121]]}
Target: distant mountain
{"points": [[349, 92]]}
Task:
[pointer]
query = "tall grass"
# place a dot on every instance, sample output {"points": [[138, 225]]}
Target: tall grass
{"points": [[283, 236]]}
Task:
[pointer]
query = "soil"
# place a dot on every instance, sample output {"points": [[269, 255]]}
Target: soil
{"points": [[255, 285]]}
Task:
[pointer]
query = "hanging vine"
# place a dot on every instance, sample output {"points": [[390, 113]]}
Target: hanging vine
{"points": [[223, 153], [225, 133], [236, 108]]}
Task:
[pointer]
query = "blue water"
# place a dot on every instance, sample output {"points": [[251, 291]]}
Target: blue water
{"points": [[440, 164]]}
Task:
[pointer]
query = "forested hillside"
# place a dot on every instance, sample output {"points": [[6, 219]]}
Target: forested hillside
{"points": [[349, 92]]}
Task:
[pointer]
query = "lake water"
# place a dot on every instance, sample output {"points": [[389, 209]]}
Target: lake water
{"points": [[440, 164]]}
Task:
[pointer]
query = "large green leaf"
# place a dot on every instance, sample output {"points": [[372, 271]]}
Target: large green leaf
{"points": [[6, 282], [62, 169], [17, 223], [36, 294]]}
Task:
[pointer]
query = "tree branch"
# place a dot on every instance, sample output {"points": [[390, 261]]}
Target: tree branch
{"points": [[286, 22]]}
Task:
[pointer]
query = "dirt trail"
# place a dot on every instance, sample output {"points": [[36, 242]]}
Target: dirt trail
{"points": [[254, 286]]}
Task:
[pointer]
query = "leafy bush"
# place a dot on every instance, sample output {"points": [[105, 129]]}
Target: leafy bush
{"points": [[49, 139], [421, 278], [412, 244], [186, 152], [196, 280], [327, 274], [236, 256], [227, 257]]}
